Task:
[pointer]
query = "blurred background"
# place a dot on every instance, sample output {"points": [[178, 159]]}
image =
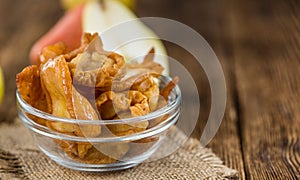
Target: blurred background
{"points": [[258, 45]]}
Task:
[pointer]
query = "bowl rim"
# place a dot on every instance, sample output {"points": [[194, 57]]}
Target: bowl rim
{"points": [[25, 107], [42, 130]]}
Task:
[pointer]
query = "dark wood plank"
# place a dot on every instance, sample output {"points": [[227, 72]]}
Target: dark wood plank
{"points": [[227, 142], [210, 19], [22, 23], [267, 63]]}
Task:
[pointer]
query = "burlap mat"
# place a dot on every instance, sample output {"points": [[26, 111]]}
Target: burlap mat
{"points": [[21, 159]]}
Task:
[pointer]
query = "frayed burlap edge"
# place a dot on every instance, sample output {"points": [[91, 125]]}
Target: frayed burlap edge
{"points": [[21, 159]]}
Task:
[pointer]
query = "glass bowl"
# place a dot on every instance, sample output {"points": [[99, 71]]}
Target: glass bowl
{"points": [[107, 151]]}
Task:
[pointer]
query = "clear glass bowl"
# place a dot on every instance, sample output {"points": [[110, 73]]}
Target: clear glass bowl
{"points": [[107, 151]]}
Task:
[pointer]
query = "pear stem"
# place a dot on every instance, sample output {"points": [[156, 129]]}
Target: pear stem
{"points": [[102, 4]]}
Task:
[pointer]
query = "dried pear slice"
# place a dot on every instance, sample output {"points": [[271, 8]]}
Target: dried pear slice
{"points": [[123, 105], [52, 51], [134, 73], [86, 39], [68, 103], [96, 67], [165, 92], [29, 87], [103, 153], [163, 101], [150, 89]]}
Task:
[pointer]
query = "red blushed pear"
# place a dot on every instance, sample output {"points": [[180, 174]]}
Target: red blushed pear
{"points": [[68, 30]]}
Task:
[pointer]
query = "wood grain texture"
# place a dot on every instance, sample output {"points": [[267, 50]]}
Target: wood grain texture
{"points": [[267, 63], [210, 19]]}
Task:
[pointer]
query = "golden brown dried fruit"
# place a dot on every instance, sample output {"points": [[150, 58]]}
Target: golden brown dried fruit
{"points": [[52, 51], [163, 101], [66, 101], [69, 84], [29, 86], [134, 73], [103, 153], [150, 89], [165, 92], [86, 39], [96, 67], [123, 105]]}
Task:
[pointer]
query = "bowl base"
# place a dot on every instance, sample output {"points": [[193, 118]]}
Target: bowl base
{"points": [[98, 168], [70, 164]]}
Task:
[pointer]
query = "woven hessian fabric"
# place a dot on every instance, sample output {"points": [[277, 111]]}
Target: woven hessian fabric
{"points": [[20, 158]]}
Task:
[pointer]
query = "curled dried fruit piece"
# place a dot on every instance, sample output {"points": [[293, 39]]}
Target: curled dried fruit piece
{"points": [[57, 84], [96, 67], [68, 103], [86, 39], [163, 101], [165, 92], [134, 73], [103, 153], [60, 48], [123, 105], [148, 64], [139, 103], [52, 51], [29, 86], [110, 104], [150, 89]]}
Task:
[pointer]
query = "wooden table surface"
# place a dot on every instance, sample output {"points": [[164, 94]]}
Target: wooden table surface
{"points": [[258, 45]]}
